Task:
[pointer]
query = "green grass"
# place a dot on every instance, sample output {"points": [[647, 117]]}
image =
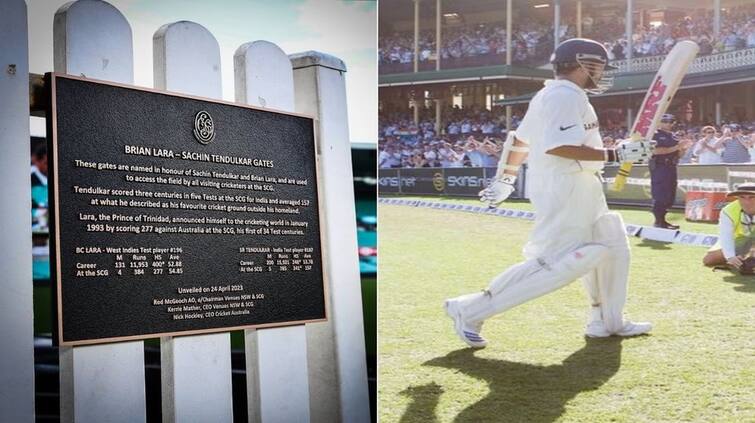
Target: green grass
{"points": [[696, 366]]}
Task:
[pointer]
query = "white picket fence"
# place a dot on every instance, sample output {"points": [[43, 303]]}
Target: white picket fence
{"points": [[315, 372]]}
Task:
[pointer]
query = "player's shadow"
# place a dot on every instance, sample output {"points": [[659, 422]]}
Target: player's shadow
{"points": [[655, 245], [521, 392], [746, 282], [424, 399]]}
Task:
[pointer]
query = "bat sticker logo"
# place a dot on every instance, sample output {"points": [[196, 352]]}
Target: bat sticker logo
{"points": [[657, 92]]}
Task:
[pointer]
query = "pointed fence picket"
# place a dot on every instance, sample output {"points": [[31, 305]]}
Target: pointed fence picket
{"points": [[187, 60], [98, 382], [276, 358]]}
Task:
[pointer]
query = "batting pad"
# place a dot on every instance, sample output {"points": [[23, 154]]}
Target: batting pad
{"points": [[529, 280], [607, 284]]}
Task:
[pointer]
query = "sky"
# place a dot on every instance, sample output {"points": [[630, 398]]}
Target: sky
{"points": [[345, 29]]}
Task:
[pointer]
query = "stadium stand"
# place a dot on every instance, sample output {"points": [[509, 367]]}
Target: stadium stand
{"points": [[455, 112], [484, 43]]}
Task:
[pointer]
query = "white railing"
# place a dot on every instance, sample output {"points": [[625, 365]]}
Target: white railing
{"points": [[707, 63]]}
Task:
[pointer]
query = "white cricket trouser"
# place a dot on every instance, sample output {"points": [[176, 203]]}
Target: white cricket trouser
{"points": [[566, 209], [575, 235]]}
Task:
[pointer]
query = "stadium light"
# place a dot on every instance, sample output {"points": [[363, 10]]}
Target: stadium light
{"points": [[540, 6]]}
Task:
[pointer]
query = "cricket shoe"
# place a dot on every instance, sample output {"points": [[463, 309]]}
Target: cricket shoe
{"points": [[597, 329], [666, 225], [468, 333]]}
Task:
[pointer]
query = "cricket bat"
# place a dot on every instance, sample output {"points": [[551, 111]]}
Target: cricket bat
{"points": [[657, 99]]}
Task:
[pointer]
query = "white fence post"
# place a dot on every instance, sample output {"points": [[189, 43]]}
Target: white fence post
{"points": [[101, 382], [196, 370], [320, 88], [276, 359], [16, 329]]}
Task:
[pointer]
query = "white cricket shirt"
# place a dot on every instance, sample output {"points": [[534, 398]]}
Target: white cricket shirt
{"points": [[559, 114]]}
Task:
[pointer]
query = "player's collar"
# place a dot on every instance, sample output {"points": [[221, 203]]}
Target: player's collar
{"points": [[552, 83]]}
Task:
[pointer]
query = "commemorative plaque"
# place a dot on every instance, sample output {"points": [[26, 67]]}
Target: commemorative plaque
{"points": [[175, 215]]}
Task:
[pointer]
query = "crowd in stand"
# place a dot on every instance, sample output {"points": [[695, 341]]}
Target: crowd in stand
{"points": [[729, 143], [737, 32], [474, 138], [469, 137], [532, 41]]}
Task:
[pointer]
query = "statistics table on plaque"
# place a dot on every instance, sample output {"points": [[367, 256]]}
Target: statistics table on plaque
{"points": [[173, 214]]}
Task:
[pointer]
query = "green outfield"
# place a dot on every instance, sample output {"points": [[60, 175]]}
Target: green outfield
{"points": [[698, 364]]}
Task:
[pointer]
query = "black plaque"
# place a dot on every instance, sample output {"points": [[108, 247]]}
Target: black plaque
{"points": [[175, 215]]}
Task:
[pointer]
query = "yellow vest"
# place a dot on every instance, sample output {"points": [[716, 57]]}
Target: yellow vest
{"points": [[734, 211]]}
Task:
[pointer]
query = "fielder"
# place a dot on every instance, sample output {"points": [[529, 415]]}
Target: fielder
{"points": [[575, 235]]}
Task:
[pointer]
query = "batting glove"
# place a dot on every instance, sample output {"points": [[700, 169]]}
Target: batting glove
{"points": [[638, 152], [498, 190]]}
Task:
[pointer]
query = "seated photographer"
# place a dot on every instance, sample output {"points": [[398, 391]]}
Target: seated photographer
{"points": [[737, 230]]}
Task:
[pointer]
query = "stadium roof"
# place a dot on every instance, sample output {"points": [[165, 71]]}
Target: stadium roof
{"points": [[464, 75], [639, 82]]}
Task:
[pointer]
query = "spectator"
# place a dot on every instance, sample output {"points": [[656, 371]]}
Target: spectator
{"points": [[389, 158], [418, 160], [688, 157], [705, 47], [431, 156], [451, 156], [466, 127], [736, 146], [490, 153], [39, 176], [472, 148], [708, 149], [39, 166]]}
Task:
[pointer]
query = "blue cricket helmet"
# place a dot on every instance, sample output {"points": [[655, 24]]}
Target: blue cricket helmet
{"points": [[574, 50], [589, 55]]}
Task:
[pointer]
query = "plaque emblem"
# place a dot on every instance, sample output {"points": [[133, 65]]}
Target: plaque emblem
{"points": [[204, 128]]}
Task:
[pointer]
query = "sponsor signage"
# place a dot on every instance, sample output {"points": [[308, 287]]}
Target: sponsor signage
{"points": [[463, 181], [467, 182], [691, 178]]}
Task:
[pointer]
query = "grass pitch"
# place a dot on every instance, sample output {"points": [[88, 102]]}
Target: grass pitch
{"points": [[697, 365]]}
